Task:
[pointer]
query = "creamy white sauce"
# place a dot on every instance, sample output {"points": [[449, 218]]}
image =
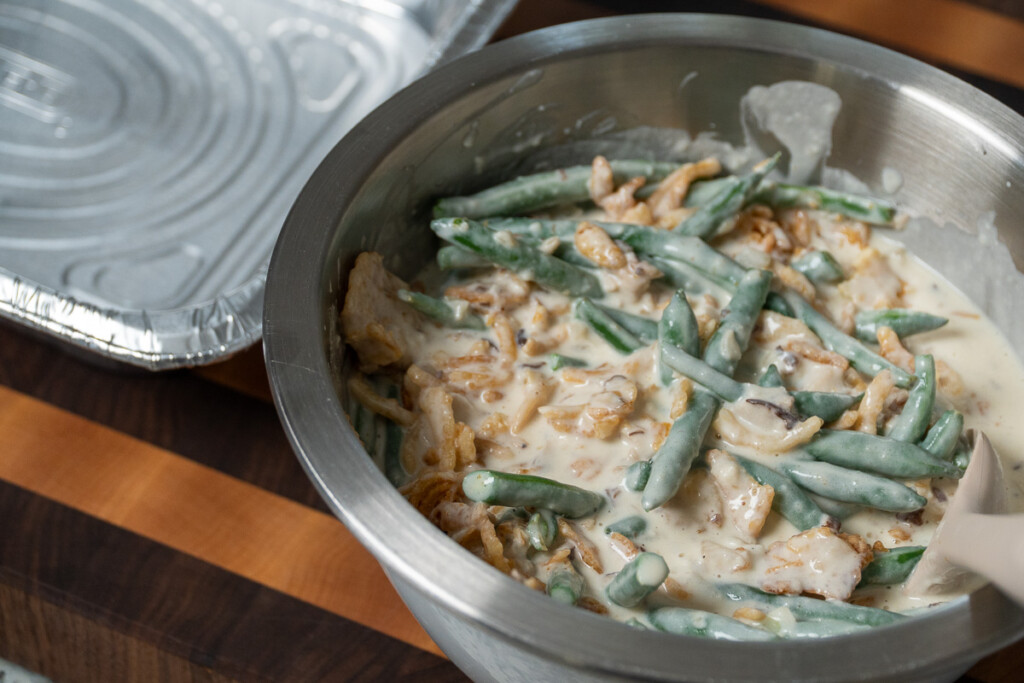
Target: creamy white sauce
{"points": [[700, 533], [695, 539]]}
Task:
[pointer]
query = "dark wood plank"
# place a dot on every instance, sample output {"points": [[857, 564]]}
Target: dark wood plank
{"points": [[81, 600], [178, 411]]}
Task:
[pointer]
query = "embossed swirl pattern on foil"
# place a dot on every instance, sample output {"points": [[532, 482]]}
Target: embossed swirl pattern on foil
{"points": [[149, 149]]}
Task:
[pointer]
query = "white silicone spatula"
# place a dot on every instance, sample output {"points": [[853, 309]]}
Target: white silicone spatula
{"points": [[975, 538]]}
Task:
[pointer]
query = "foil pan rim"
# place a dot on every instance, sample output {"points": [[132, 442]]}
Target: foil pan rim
{"points": [[153, 340]]}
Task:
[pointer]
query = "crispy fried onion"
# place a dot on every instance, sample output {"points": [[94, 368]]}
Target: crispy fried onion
{"points": [[873, 403], [701, 499], [601, 186], [474, 372], [739, 425], [672, 190], [680, 390], [416, 380], [602, 181], [597, 247], [624, 547], [505, 333], [434, 440], [387, 407], [431, 489], [634, 278], [585, 550], [536, 391], [472, 528], [755, 227], [795, 280], [499, 291], [798, 225], [746, 502], [601, 415], [380, 328], [818, 561], [674, 589], [815, 353]]}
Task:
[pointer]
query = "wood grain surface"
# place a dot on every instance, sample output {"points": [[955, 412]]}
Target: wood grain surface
{"points": [[157, 527]]}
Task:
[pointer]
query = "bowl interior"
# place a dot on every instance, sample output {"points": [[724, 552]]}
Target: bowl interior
{"points": [[559, 96]]}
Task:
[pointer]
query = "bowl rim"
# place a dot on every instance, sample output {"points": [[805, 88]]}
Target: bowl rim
{"points": [[311, 412]]}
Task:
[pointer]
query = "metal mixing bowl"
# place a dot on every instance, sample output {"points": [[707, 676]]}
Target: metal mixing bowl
{"points": [[468, 124]]}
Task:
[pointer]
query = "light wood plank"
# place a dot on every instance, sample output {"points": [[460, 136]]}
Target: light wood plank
{"points": [[197, 510]]}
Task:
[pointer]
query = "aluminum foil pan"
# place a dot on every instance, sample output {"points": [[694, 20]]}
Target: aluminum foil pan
{"points": [[150, 150]]}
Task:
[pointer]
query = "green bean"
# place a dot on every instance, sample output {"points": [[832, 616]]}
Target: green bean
{"points": [[891, 567], [630, 527], [944, 435], [903, 322], [523, 259], [770, 378], [878, 454], [962, 458], [867, 209], [673, 460], [716, 266], [678, 328], [835, 508], [811, 608], [912, 423], [822, 628], [824, 404], [645, 240], [502, 488], [776, 303], [542, 530], [727, 344], [443, 312], [686, 276], [639, 578], [860, 357], [565, 250], [558, 361], [691, 622], [508, 514], [718, 383], [565, 585], [644, 329], [852, 486], [702, 192], [364, 422], [620, 339], [542, 190], [637, 475], [393, 436], [451, 257], [819, 267], [789, 501], [706, 220], [681, 447]]}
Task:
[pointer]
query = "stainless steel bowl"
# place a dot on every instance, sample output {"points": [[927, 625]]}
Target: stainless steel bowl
{"points": [[960, 154]]}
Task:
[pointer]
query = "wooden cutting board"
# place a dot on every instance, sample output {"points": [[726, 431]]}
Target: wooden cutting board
{"points": [[159, 528]]}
